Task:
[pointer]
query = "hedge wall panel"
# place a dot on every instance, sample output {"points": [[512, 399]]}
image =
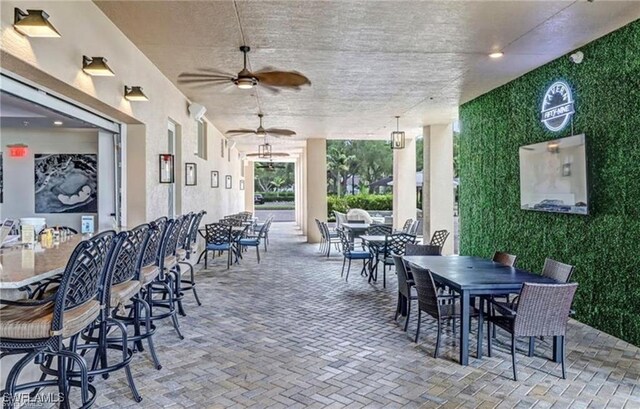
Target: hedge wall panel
{"points": [[604, 246]]}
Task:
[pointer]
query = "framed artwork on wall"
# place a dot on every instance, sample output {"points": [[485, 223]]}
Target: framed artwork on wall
{"points": [[166, 168], [190, 174], [215, 179], [241, 184], [228, 182]]}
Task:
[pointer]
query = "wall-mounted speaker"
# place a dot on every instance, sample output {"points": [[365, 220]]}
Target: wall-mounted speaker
{"points": [[197, 111]]}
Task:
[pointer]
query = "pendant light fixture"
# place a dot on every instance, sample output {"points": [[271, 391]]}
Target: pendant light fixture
{"points": [[397, 137], [33, 23], [134, 94], [264, 151]]}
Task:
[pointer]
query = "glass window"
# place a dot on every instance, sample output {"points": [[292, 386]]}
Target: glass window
{"points": [[202, 140]]}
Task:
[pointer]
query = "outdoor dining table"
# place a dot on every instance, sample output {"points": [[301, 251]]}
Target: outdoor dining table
{"points": [[475, 276], [377, 244]]}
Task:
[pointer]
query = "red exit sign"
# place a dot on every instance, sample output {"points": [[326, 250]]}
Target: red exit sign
{"points": [[18, 151]]}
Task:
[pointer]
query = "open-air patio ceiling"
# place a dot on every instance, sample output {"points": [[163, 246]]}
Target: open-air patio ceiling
{"points": [[367, 60]]}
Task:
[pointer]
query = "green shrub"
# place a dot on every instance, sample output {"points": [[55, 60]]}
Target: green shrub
{"points": [[363, 201], [277, 196]]}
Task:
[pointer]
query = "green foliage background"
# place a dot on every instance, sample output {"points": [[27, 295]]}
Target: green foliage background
{"points": [[361, 201], [604, 246]]}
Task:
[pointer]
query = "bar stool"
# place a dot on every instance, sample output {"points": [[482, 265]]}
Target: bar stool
{"points": [[166, 286], [37, 328], [189, 248]]}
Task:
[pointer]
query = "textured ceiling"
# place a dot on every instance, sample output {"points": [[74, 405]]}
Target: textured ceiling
{"points": [[367, 60]]}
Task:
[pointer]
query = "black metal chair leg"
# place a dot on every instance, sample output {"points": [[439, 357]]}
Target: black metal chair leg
{"points": [[258, 253], [12, 379], [532, 343], [344, 260], [348, 269], [148, 325]]}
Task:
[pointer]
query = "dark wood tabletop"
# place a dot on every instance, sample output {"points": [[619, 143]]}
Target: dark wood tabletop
{"points": [[474, 276], [475, 273]]}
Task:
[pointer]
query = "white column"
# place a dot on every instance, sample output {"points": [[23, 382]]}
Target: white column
{"points": [[298, 193], [249, 187], [316, 187], [404, 183], [437, 190]]}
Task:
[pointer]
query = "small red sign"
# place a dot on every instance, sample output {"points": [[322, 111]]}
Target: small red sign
{"points": [[18, 151]]}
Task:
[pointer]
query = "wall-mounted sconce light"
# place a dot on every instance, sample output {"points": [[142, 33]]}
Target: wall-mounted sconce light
{"points": [[18, 150], [134, 94], [33, 23], [397, 136], [96, 66]]}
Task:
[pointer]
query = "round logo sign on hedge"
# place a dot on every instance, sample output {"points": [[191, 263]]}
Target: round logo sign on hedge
{"points": [[557, 106]]}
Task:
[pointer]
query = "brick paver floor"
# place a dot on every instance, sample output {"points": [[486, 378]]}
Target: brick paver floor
{"points": [[290, 333]]}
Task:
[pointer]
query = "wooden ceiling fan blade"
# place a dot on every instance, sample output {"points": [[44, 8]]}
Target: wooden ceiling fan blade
{"points": [[289, 79], [202, 81], [280, 132], [240, 131]]}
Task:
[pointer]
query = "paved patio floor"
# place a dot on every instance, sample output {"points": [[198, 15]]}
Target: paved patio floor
{"points": [[290, 333]]}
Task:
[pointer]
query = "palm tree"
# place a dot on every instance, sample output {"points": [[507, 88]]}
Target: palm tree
{"points": [[338, 163]]}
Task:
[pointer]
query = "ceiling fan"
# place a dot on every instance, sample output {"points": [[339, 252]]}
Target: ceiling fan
{"points": [[245, 79], [261, 131], [271, 166]]}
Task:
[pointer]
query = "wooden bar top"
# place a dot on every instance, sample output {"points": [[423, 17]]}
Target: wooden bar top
{"points": [[21, 266]]}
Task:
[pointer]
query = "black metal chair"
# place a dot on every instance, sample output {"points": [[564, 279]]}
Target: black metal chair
{"points": [[119, 288], [405, 294], [189, 248], [350, 254], [379, 230], [439, 238], [441, 307], [166, 285], [253, 241], [394, 244], [37, 328], [218, 239], [541, 310], [406, 226], [135, 257], [332, 238]]}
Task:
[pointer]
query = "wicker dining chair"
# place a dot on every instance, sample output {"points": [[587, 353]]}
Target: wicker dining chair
{"points": [[407, 226], [412, 249], [541, 310], [394, 244], [405, 292], [504, 258], [441, 307]]}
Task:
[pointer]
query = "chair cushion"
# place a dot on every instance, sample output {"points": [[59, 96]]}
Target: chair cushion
{"points": [[34, 322], [359, 255], [170, 262], [149, 273], [249, 242], [221, 247], [122, 293]]}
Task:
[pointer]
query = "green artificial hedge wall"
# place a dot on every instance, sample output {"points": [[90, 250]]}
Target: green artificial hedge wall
{"points": [[604, 246]]}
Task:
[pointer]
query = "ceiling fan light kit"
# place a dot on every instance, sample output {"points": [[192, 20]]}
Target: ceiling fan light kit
{"points": [[264, 151]]}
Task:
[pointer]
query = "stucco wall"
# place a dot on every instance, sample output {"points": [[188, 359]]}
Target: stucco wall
{"points": [[95, 35]]}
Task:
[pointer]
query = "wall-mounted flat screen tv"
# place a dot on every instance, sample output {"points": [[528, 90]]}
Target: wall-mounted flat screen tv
{"points": [[553, 176]]}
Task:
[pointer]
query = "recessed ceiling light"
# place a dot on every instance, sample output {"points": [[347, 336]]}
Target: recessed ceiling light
{"points": [[497, 54], [58, 123]]}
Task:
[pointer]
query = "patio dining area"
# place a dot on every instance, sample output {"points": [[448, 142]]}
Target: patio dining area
{"points": [[291, 333]]}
